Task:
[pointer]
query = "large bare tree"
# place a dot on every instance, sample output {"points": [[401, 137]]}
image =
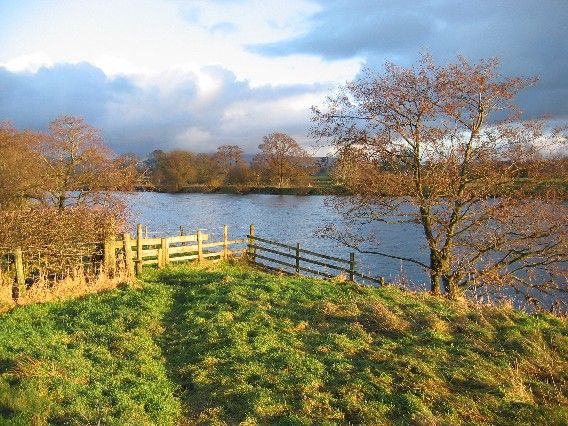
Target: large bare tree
{"points": [[447, 144]]}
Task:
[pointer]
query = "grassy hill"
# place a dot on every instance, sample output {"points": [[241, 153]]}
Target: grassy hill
{"points": [[226, 344]]}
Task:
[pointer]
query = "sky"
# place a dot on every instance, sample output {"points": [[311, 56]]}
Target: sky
{"points": [[197, 74]]}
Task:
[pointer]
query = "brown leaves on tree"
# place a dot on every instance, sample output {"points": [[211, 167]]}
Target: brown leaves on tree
{"points": [[448, 141]]}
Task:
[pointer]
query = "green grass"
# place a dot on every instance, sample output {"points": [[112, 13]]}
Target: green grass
{"points": [[227, 344]]}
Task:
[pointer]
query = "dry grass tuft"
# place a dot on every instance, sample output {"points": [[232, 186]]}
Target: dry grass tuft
{"points": [[76, 284]]}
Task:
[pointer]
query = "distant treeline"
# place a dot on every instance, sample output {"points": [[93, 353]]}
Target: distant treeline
{"points": [[280, 162]]}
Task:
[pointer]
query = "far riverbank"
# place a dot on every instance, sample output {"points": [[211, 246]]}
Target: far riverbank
{"points": [[555, 188]]}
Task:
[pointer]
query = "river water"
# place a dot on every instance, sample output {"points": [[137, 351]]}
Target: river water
{"points": [[285, 218]]}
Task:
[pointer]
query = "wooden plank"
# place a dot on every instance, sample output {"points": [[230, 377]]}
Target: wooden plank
{"points": [[220, 243], [269, 250], [151, 262], [317, 262], [150, 252], [264, 240], [309, 252], [182, 258], [187, 238], [275, 261], [182, 249], [325, 256], [151, 241]]}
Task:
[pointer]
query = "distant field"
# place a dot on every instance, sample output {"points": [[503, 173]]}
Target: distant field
{"points": [[227, 344]]}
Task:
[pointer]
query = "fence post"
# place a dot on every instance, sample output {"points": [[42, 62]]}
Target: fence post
{"points": [[298, 258], [160, 257], [181, 231], [165, 252], [252, 249], [128, 253], [382, 281], [139, 262], [199, 247], [352, 266], [110, 256], [20, 283], [225, 242], [146, 229]]}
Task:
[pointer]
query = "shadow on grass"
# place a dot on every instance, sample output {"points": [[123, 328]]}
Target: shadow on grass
{"points": [[178, 342]]}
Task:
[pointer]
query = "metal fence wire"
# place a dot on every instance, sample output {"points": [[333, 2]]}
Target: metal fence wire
{"points": [[51, 262]]}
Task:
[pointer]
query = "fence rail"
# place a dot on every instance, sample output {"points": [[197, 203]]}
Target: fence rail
{"points": [[299, 255]]}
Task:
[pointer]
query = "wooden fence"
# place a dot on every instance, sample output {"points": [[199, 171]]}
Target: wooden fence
{"points": [[161, 251], [132, 254], [304, 260]]}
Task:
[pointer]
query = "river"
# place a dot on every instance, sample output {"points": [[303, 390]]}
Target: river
{"points": [[285, 218]]}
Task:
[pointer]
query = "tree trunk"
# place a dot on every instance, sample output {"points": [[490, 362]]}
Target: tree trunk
{"points": [[435, 273], [451, 287], [61, 201]]}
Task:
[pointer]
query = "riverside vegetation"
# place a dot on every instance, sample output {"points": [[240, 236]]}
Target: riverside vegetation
{"points": [[226, 344]]}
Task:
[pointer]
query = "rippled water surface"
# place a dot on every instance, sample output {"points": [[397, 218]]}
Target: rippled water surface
{"points": [[285, 218]]}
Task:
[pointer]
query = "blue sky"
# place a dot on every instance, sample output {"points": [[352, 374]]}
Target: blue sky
{"points": [[198, 74]]}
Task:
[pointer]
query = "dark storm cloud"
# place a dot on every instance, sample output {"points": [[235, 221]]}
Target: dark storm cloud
{"points": [[30, 99], [141, 119], [529, 36]]}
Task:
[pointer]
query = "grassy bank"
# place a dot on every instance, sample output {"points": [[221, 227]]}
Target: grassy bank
{"points": [[227, 344], [235, 189]]}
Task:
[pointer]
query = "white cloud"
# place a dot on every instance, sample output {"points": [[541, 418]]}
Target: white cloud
{"points": [[28, 63]]}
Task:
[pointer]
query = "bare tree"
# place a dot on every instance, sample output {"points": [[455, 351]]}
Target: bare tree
{"points": [[228, 156], [448, 143], [281, 158], [78, 166]]}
